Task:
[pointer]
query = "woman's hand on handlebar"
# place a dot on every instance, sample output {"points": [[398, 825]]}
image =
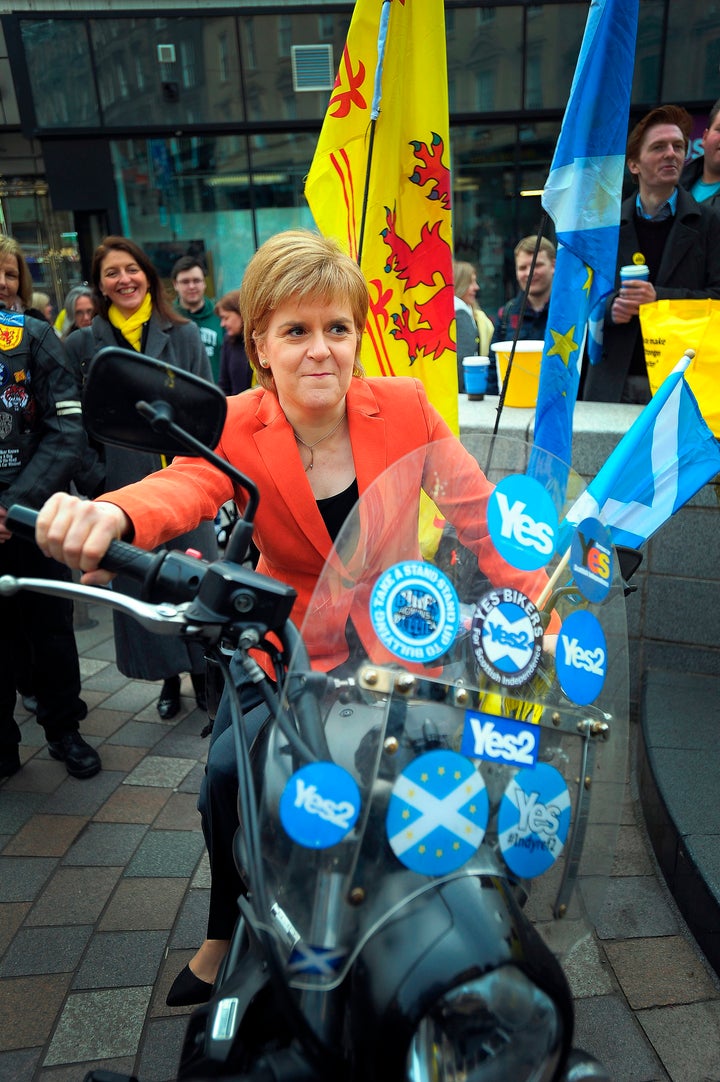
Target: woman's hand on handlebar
{"points": [[78, 532]]}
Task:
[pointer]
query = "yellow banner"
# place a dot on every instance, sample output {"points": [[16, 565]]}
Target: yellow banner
{"points": [[404, 225], [669, 327]]}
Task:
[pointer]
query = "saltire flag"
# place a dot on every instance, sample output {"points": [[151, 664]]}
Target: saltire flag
{"points": [[583, 197], [663, 459], [380, 183]]}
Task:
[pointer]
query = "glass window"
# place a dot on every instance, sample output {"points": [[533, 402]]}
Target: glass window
{"points": [[691, 59], [648, 50], [554, 36], [60, 89], [486, 52], [492, 165]]}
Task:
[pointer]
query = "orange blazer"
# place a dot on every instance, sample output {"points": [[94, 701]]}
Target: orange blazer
{"points": [[387, 419]]}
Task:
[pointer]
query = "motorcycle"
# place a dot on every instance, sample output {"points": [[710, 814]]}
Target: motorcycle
{"points": [[427, 828]]}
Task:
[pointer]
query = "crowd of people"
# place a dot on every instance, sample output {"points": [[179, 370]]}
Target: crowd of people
{"points": [[300, 311]]}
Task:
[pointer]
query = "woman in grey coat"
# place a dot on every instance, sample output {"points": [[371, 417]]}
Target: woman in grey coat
{"points": [[134, 313]]}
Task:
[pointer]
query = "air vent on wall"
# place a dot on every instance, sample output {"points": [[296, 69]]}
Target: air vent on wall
{"points": [[312, 67], [166, 54]]}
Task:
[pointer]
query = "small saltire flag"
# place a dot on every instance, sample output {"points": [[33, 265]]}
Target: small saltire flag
{"points": [[583, 196], [664, 458], [380, 183]]}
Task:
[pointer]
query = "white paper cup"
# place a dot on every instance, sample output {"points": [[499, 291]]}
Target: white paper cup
{"points": [[634, 272]]}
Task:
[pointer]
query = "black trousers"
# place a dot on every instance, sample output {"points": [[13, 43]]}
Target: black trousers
{"points": [[40, 628]]}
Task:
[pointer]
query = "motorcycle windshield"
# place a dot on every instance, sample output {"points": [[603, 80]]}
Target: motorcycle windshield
{"points": [[474, 716]]}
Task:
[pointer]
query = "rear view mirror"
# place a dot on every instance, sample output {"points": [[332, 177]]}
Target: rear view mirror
{"points": [[118, 379]]}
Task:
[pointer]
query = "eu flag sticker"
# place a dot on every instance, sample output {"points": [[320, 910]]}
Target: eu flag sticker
{"points": [[438, 813], [533, 820]]}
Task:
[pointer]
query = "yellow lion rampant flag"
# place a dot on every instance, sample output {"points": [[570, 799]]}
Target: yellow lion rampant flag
{"points": [[380, 184]]}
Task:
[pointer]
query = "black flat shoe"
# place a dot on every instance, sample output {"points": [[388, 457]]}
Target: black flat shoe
{"points": [[187, 989], [168, 705], [81, 761]]}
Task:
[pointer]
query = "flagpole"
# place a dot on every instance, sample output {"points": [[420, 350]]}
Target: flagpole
{"points": [[374, 114]]}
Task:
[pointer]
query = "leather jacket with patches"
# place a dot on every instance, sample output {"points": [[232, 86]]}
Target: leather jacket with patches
{"points": [[41, 431]]}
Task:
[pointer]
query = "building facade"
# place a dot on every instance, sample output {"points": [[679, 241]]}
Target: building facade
{"points": [[193, 130]]}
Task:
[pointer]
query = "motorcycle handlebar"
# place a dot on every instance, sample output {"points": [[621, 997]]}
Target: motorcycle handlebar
{"points": [[120, 556]]}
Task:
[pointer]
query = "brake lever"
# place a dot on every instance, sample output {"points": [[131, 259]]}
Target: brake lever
{"points": [[162, 619]]}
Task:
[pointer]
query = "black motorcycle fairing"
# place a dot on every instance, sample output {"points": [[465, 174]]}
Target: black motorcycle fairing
{"points": [[464, 929]]}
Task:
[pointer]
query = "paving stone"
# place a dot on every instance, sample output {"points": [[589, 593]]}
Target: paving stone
{"points": [[16, 808], [117, 757], [99, 1025], [188, 745], [160, 770], [83, 797], [133, 804], [687, 1039], [19, 1066], [166, 853], [134, 696], [39, 775], [124, 1065], [45, 950], [108, 680], [102, 722], [121, 960], [89, 666], [32, 735], [194, 780], [137, 734], [12, 915], [202, 877], [22, 878], [143, 904], [192, 923], [586, 969], [660, 971], [45, 836], [606, 1029], [635, 906], [23, 1024], [74, 896], [632, 856], [179, 813], [106, 843], [161, 1050]]}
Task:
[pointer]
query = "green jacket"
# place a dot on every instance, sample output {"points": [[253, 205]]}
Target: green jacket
{"points": [[211, 332]]}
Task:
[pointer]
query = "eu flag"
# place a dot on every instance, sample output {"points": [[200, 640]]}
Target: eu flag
{"points": [[583, 196]]}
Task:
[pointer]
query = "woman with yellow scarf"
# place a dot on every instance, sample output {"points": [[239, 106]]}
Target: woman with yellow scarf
{"points": [[134, 313]]}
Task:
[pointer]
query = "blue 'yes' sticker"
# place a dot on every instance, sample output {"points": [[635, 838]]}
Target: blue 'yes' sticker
{"points": [[581, 657], [523, 522], [500, 740], [319, 805], [533, 820]]}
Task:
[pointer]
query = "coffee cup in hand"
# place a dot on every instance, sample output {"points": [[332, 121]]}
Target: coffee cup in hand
{"points": [[634, 272]]}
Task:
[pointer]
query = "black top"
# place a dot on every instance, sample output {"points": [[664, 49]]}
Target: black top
{"points": [[335, 509]]}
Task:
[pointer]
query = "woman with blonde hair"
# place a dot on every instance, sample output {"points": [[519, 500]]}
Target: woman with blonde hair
{"points": [[474, 328]]}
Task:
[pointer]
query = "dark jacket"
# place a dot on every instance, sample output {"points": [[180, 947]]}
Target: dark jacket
{"points": [[141, 654], [41, 432], [690, 268], [693, 171], [235, 371]]}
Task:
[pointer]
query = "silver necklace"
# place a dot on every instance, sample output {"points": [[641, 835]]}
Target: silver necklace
{"points": [[311, 446]]}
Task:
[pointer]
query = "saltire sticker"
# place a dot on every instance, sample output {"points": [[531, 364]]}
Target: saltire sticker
{"points": [[319, 805], [581, 657], [591, 559], [438, 813], [533, 820], [316, 961], [523, 522], [506, 635], [415, 611]]}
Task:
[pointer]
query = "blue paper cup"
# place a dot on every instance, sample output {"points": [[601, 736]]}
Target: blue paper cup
{"points": [[475, 371]]}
